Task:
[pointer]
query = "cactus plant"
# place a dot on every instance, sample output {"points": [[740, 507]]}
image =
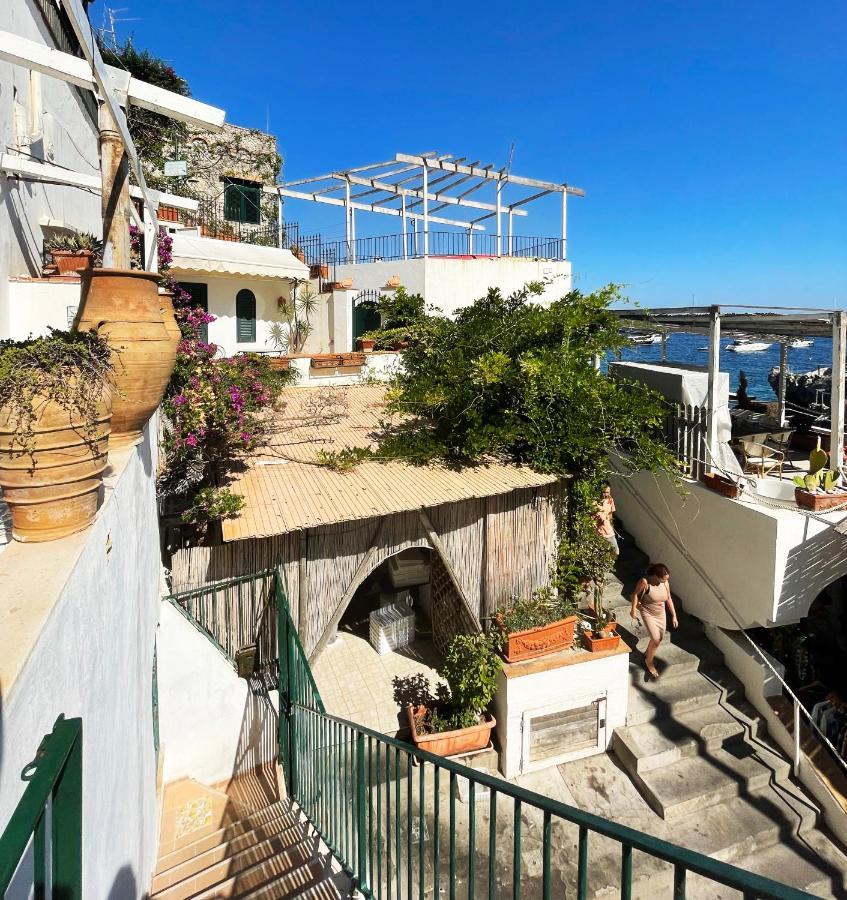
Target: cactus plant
{"points": [[830, 479], [817, 459]]}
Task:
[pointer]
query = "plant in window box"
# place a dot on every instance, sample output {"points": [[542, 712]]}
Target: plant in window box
{"points": [[541, 624], [73, 252], [455, 719], [55, 412]]}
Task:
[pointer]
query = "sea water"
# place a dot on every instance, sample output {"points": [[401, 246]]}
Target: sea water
{"points": [[692, 349]]}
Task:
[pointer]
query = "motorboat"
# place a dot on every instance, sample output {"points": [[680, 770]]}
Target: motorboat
{"points": [[748, 345], [797, 343], [646, 339]]}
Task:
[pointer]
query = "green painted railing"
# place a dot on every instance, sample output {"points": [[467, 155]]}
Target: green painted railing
{"points": [[48, 818], [405, 823]]}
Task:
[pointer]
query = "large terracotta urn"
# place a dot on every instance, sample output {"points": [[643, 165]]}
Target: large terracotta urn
{"points": [[166, 298], [125, 308], [56, 489]]}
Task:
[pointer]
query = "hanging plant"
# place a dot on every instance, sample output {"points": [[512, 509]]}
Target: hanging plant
{"points": [[73, 370]]}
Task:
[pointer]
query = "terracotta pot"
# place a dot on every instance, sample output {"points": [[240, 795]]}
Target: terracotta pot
{"points": [[166, 300], [818, 502], [280, 363], [124, 307], [367, 344], [721, 484], [55, 491], [349, 360], [69, 262], [597, 644], [319, 270], [533, 642], [451, 743], [326, 361]]}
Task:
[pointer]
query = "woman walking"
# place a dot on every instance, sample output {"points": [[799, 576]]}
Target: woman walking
{"points": [[652, 595]]}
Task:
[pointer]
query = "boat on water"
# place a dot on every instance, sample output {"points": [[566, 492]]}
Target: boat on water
{"points": [[796, 343], [748, 345], [646, 338]]}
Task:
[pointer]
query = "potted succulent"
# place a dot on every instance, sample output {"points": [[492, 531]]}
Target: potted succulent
{"points": [[73, 252], [533, 627], [819, 489], [55, 411], [366, 345], [455, 720]]}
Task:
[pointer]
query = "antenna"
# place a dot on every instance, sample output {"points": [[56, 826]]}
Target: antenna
{"points": [[108, 32], [511, 156]]}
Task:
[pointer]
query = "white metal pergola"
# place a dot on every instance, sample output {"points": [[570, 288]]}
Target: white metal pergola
{"points": [[762, 322], [417, 188]]}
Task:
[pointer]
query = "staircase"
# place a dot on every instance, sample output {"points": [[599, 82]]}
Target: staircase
{"points": [[694, 748], [232, 851]]}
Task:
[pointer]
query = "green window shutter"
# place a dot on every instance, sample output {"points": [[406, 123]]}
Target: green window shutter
{"points": [[245, 317], [252, 198], [232, 203], [242, 201]]}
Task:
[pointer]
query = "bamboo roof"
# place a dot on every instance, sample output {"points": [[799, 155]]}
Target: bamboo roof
{"points": [[285, 489]]}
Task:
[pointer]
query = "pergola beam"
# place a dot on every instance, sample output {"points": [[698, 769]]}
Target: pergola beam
{"points": [[370, 207]]}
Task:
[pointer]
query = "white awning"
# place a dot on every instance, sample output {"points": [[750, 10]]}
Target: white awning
{"points": [[193, 254]]}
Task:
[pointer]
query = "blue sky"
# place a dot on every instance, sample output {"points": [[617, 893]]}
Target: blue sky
{"points": [[710, 137]]}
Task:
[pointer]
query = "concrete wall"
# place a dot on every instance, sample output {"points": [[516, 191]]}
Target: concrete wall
{"points": [[211, 726], [449, 283], [35, 305], [768, 563], [45, 118], [93, 658], [378, 365]]}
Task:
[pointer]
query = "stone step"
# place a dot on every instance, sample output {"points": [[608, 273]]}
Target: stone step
{"points": [[692, 784], [281, 813], [287, 830], [671, 660], [244, 869], [668, 698], [326, 889], [282, 878], [642, 748]]}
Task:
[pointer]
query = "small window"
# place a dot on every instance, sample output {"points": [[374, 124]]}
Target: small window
{"points": [[245, 317], [199, 294], [242, 201]]}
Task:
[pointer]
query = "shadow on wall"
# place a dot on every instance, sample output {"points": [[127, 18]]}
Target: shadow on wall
{"points": [[253, 781], [810, 567], [125, 886], [28, 241]]}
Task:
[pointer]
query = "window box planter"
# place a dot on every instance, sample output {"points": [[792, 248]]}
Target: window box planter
{"points": [[326, 361], [818, 502], [69, 262], [451, 743], [721, 485], [168, 214], [280, 363], [351, 360], [533, 642]]}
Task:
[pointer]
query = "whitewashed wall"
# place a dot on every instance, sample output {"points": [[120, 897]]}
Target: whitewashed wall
{"points": [[211, 726], [450, 283], [45, 118], [94, 658], [36, 305]]}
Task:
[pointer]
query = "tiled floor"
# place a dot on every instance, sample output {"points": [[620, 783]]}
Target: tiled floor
{"points": [[355, 681]]}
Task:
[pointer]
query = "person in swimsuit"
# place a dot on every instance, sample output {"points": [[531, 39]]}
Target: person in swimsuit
{"points": [[652, 596], [604, 517]]}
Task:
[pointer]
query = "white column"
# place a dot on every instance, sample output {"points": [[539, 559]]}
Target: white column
{"points": [[783, 366], [347, 216], [509, 251], [151, 244], [499, 223], [405, 224], [279, 228], [470, 242], [425, 211], [836, 411], [352, 234], [714, 370], [563, 252]]}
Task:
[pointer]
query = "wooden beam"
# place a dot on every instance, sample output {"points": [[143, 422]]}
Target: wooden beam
{"points": [[361, 573], [836, 402], [441, 550], [486, 173], [369, 207]]}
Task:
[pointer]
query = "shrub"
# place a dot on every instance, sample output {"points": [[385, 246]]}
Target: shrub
{"points": [[542, 608]]}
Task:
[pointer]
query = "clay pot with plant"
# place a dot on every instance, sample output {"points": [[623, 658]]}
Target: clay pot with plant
{"points": [[544, 623], [290, 335], [455, 719], [72, 253], [55, 412], [820, 489], [124, 307]]}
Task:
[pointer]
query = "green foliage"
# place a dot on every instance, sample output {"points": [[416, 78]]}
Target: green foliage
{"points": [[398, 309], [817, 459], [73, 369], [289, 335], [821, 479], [542, 608], [74, 242], [210, 503], [509, 378], [470, 669], [343, 460]]}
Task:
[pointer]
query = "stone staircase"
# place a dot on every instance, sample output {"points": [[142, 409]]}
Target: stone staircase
{"points": [[267, 852], [695, 749]]}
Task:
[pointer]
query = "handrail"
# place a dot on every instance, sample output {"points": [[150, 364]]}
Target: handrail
{"points": [[704, 576], [54, 775], [340, 773]]}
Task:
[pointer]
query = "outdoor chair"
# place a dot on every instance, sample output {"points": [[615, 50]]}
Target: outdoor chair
{"points": [[760, 458], [780, 441]]}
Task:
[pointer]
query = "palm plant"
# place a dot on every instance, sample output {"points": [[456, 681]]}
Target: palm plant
{"points": [[290, 335]]}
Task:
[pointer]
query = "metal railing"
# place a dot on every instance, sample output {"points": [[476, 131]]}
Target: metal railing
{"points": [[394, 817], [47, 822], [235, 614], [441, 243]]}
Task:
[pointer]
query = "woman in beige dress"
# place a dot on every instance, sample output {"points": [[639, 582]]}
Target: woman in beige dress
{"points": [[652, 597]]}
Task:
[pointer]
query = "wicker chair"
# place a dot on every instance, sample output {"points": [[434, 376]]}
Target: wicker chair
{"points": [[760, 459]]}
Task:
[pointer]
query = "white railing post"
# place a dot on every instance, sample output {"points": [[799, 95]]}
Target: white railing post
{"points": [[425, 186], [836, 403], [714, 371], [563, 248], [796, 737]]}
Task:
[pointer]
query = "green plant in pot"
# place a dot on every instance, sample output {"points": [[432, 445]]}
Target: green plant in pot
{"points": [[530, 627], [74, 252], [454, 719], [819, 489], [55, 414]]}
